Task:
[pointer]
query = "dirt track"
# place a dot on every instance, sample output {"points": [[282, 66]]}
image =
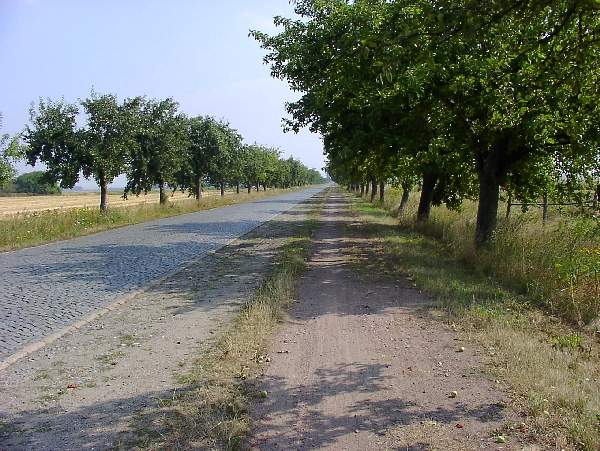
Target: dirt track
{"points": [[360, 365]]}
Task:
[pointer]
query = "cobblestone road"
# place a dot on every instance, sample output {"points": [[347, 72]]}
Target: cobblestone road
{"points": [[46, 288]]}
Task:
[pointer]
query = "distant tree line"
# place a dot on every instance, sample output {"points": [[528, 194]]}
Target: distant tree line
{"points": [[153, 144], [36, 182]]}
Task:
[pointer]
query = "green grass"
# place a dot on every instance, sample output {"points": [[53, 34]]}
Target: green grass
{"points": [[32, 229], [211, 410], [552, 369], [556, 265]]}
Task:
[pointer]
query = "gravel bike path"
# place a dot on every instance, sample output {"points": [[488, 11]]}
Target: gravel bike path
{"points": [[46, 288]]}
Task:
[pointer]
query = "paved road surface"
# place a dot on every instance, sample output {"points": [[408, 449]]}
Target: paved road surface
{"points": [[45, 288]]}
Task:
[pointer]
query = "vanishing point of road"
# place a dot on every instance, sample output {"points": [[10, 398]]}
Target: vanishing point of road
{"points": [[46, 288]]}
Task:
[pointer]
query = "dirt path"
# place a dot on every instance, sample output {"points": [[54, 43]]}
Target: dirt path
{"points": [[361, 366], [87, 389]]}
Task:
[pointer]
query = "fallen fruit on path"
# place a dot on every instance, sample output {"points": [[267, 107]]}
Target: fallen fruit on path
{"points": [[453, 394], [459, 425], [461, 349], [263, 394], [500, 439]]}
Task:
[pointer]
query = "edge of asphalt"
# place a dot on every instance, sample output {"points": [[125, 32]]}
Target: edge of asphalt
{"points": [[122, 300]]}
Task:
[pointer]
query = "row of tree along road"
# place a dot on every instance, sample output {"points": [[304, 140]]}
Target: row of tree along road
{"points": [[470, 99], [152, 143]]}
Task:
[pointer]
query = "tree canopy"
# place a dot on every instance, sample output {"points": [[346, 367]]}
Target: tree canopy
{"points": [[466, 96]]}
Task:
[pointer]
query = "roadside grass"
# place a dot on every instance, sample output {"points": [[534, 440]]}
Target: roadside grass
{"points": [[551, 368], [557, 265], [212, 409], [31, 229]]}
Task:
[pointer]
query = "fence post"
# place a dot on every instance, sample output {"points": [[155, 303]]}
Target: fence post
{"points": [[508, 205], [545, 208]]}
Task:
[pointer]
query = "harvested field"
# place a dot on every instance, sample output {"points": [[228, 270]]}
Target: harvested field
{"points": [[13, 205]]}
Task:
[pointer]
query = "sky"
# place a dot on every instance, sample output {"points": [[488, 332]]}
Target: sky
{"points": [[196, 51]]}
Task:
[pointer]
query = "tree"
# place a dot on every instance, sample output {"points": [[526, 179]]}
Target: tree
{"points": [[202, 147], [98, 149], [161, 138], [223, 160], [52, 138], [36, 182], [107, 139], [493, 93], [10, 151]]}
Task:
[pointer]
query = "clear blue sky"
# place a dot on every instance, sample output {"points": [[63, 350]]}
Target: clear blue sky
{"points": [[196, 51]]}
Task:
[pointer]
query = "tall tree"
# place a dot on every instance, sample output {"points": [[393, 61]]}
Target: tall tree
{"points": [[107, 138], [161, 140], [97, 150], [52, 138], [220, 166], [202, 148]]}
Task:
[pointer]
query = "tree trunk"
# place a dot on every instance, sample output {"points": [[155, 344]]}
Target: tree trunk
{"points": [[429, 180], [257, 186], [103, 192], [404, 199], [249, 188], [162, 196], [222, 189], [362, 189], [237, 188], [487, 210], [373, 189], [198, 187], [103, 195], [545, 208], [508, 205], [264, 186], [381, 191]]}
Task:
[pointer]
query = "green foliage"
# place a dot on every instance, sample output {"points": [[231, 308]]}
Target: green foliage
{"points": [[151, 142], [106, 139], [52, 138], [160, 136], [10, 151], [36, 182], [467, 96], [569, 341]]}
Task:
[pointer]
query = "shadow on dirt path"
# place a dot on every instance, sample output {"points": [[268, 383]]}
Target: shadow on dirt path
{"points": [[360, 364]]}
